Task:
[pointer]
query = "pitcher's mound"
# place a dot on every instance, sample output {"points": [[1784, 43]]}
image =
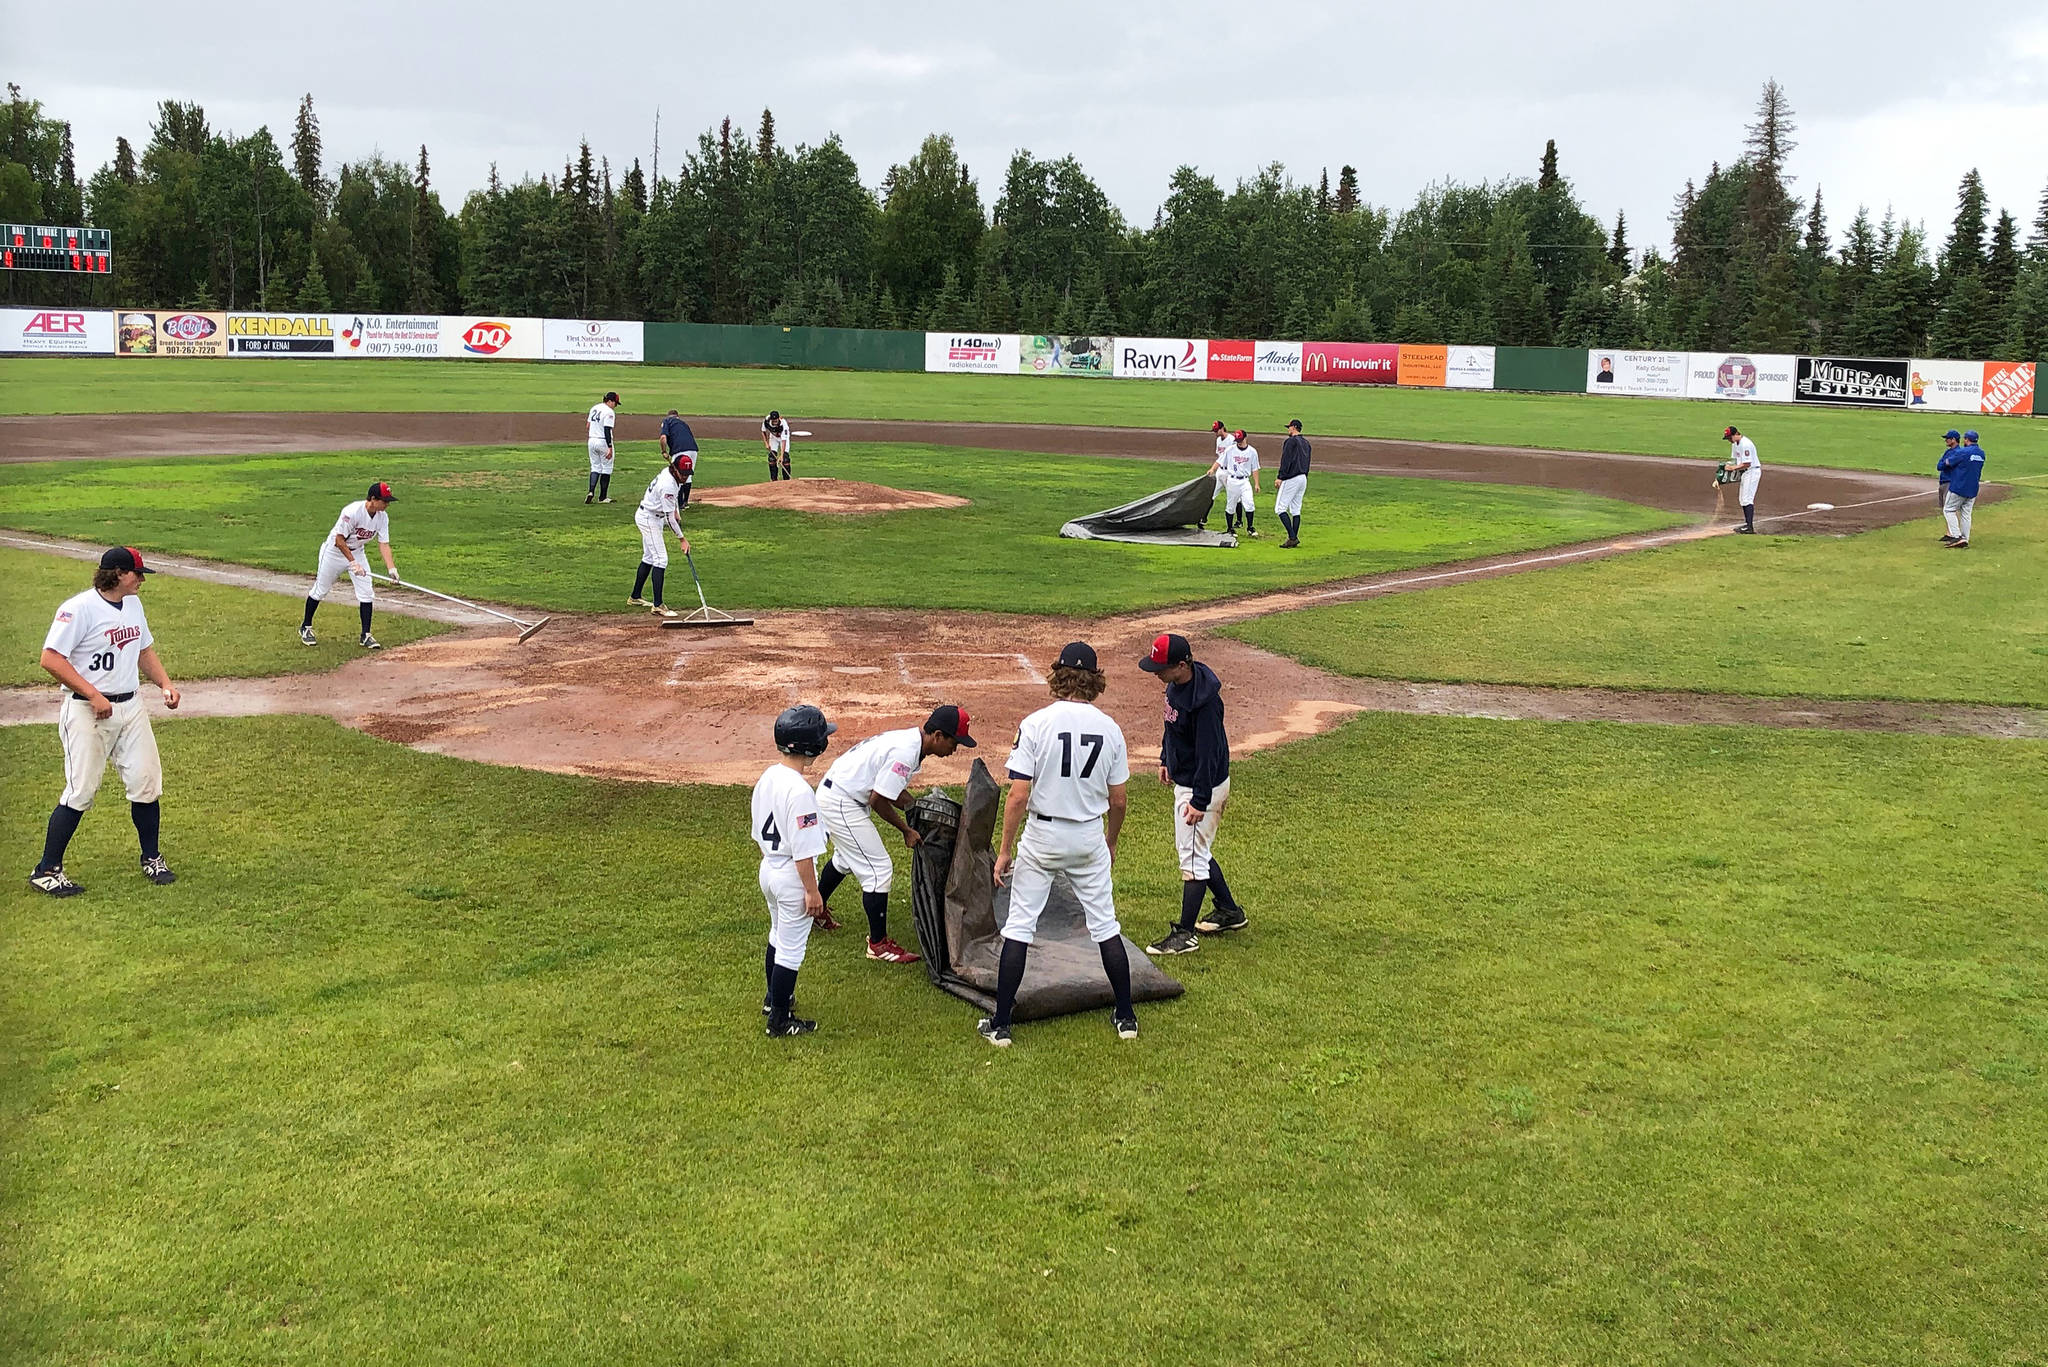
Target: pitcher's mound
{"points": [[825, 495]]}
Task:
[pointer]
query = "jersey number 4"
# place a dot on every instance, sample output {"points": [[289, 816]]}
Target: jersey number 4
{"points": [[770, 834], [1093, 744]]}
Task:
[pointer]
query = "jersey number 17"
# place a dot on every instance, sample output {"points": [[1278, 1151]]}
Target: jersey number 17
{"points": [[1093, 744]]}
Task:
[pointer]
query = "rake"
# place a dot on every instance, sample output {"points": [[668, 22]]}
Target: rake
{"points": [[705, 615], [526, 629]]}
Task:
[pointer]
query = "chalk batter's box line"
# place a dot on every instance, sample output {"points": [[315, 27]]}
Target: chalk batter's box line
{"points": [[1021, 660]]}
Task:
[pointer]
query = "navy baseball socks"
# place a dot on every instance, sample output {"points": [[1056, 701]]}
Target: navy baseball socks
{"points": [[656, 573], [363, 611], [782, 1020], [1116, 964], [1192, 890], [1749, 517], [312, 606], [640, 579], [829, 881], [876, 905], [591, 496], [1009, 977], [57, 837]]}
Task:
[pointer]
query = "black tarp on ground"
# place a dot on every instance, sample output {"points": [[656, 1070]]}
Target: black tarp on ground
{"points": [[959, 911], [1171, 517]]}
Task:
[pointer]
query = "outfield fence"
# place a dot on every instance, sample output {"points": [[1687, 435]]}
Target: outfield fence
{"points": [[1930, 385]]}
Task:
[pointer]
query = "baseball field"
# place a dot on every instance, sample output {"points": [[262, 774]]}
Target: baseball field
{"points": [[1646, 963]]}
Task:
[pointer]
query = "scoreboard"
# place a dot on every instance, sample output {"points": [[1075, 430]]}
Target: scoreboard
{"points": [[35, 247]]}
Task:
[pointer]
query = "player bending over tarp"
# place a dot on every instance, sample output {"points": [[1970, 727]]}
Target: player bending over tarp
{"points": [[1171, 517]]}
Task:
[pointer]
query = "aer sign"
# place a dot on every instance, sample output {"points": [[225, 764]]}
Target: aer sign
{"points": [[68, 331]]}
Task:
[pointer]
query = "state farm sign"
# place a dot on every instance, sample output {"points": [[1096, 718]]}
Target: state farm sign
{"points": [[1350, 362], [1232, 360], [74, 332], [1159, 358]]}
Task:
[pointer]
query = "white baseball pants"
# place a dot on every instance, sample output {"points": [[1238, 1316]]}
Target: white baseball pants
{"points": [[1239, 496], [1957, 511], [333, 565], [600, 458], [857, 845], [1194, 843], [1752, 475], [125, 738], [1075, 848], [653, 546], [789, 927], [1287, 498]]}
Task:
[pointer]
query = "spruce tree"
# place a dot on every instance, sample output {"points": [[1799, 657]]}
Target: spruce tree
{"points": [[2002, 262], [1963, 254], [306, 153], [764, 141], [313, 296], [124, 162], [423, 293], [1617, 251], [1546, 175], [1347, 192]]}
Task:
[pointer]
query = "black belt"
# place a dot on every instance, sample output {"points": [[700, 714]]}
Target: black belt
{"points": [[110, 697], [1068, 820]]}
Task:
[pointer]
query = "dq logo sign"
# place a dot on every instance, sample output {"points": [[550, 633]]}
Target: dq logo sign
{"points": [[188, 327], [487, 338], [56, 325]]}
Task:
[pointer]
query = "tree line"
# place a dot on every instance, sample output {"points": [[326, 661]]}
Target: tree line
{"points": [[750, 230]]}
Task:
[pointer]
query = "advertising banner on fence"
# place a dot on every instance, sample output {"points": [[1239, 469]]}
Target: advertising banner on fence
{"points": [[416, 335], [1945, 386], [1424, 366], [570, 339], [1159, 358], [1232, 360], [491, 339], [71, 332], [1731, 375], [1276, 362], [986, 353], [285, 334], [1350, 362], [1468, 367], [1646, 374], [2008, 387], [1837, 379], [161, 332], [1039, 355]]}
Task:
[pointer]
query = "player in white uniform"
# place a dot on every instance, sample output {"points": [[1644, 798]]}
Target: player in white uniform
{"points": [[868, 780], [787, 827], [1067, 772], [1742, 458], [775, 436], [603, 418], [1222, 444], [358, 524], [97, 645], [1238, 465], [658, 506]]}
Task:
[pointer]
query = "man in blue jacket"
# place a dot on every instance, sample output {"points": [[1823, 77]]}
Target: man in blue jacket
{"points": [[1194, 756], [1965, 466], [1950, 440]]}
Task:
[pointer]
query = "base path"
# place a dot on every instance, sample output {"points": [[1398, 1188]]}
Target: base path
{"points": [[1861, 499]]}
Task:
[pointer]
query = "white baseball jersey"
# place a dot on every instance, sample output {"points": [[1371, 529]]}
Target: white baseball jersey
{"points": [[358, 528], [102, 640], [1743, 452], [778, 430], [601, 419], [1239, 464], [785, 816], [659, 502], [1224, 441], [1073, 753], [881, 764]]}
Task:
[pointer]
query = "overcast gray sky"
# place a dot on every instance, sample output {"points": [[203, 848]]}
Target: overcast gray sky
{"points": [[1894, 101]]}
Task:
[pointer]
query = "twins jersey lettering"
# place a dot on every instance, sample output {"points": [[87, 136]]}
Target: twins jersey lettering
{"points": [[1239, 464], [357, 527], [601, 419], [1073, 753], [102, 640], [881, 764], [785, 817]]}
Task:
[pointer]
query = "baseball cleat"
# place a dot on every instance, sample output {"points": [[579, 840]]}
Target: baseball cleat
{"points": [[370, 642], [659, 611], [889, 952], [826, 922], [1962, 545], [54, 882], [1950, 539], [998, 1035], [307, 638], [1221, 919], [589, 499], [791, 1028], [1289, 543], [1126, 1026], [157, 871], [638, 603], [1745, 531], [604, 500], [1175, 941]]}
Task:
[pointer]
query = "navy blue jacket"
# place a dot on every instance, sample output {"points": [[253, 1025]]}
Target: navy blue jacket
{"points": [[1293, 457], [1965, 466], [680, 438], [1194, 749]]}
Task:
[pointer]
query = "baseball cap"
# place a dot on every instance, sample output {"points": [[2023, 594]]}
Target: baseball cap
{"points": [[611, 396], [1076, 655], [1294, 423], [1217, 426], [381, 490], [124, 559], [1970, 435], [1167, 651], [774, 412], [1951, 435], [950, 721], [1238, 435], [1728, 432]]}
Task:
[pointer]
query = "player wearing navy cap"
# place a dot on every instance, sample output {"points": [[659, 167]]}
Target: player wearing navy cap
{"points": [[1194, 756], [785, 824], [1965, 472], [97, 645], [1950, 440], [775, 436], [1067, 770], [342, 552]]}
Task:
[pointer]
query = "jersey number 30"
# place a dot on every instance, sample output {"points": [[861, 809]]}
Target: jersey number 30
{"points": [[770, 834], [103, 660], [1093, 744]]}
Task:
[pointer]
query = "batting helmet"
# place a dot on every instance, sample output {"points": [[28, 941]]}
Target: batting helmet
{"points": [[802, 730]]}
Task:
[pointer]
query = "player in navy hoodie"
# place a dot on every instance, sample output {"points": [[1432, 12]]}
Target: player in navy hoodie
{"points": [[1194, 756]]}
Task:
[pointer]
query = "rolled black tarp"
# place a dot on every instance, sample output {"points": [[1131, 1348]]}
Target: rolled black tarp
{"points": [[1171, 517]]}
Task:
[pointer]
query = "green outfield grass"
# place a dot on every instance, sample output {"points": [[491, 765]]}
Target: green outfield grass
{"points": [[1707, 1046], [1907, 442], [203, 630], [1888, 614], [511, 525]]}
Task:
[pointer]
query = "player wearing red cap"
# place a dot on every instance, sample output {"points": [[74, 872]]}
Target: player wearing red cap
{"points": [[1194, 756], [342, 551], [1238, 466], [1222, 435], [1742, 460]]}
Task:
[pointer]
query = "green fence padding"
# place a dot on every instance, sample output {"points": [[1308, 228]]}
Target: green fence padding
{"points": [[820, 348], [1548, 369]]}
